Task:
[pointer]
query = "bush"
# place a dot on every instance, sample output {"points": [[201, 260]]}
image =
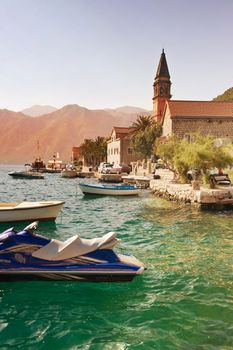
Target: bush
{"points": [[200, 152]]}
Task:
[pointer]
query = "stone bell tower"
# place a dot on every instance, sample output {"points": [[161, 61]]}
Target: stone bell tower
{"points": [[162, 88]]}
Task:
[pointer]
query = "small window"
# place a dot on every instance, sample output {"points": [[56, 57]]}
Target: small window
{"points": [[130, 150]]}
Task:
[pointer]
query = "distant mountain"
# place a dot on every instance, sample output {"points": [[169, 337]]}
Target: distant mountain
{"points": [[37, 110], [130, 110], [58, 131], [227, 96]]}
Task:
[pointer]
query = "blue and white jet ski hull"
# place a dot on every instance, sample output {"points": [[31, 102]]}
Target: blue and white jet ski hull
{"points": [[27, 256]]}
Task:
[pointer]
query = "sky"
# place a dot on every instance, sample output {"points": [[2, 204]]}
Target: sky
{"points": [[104, 53]]}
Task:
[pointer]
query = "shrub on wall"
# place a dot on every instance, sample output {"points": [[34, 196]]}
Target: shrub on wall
{"points": [[199, 152]]}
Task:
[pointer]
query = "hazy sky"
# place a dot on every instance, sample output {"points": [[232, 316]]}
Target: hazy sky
{"points": [[104, 53]]}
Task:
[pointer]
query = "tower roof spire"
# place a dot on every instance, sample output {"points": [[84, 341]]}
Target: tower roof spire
{"points": [[162, 70]]}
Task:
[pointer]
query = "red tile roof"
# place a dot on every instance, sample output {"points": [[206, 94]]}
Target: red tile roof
{"points": [[200, 109], [121, 131]]}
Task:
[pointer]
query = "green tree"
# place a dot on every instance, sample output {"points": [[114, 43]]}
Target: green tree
{"points": [[86, 150], [142, 122], [144, 133], [143, 141], [166, 149], [100, 150], [94, 151], [199, 153]]}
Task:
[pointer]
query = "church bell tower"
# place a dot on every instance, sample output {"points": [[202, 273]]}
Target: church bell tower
{"points": [[162, 88]]}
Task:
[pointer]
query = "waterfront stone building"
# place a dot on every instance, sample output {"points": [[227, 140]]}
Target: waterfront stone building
{"points": [[119, 148], [181, 118]]}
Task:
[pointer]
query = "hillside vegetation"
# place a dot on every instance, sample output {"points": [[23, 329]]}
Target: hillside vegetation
{"points": [[227, 96]]}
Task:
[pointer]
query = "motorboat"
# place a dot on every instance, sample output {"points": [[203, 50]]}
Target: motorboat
{"points": [[27, 211], [106, 189], [38, 165], [27, 174], [25, 255], [69, 171], [55, 165]]}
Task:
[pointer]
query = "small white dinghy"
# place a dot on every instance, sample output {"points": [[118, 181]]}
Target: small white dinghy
{"points": [[112, 190], [69, 171], [25, 211]]}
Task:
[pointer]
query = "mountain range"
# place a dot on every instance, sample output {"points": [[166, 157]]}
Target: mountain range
{"points": [[37, 110], [56, 131]]}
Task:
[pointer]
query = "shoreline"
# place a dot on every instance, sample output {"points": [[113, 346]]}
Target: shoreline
{"points": [[204, 198]]}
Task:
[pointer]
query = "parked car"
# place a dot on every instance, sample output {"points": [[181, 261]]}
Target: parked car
{"points": [[106, 168], [102, 166], [119, 169], [220, 180]]}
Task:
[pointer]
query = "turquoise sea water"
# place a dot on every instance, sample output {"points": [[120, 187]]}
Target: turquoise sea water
{"points": [[183, 301]]}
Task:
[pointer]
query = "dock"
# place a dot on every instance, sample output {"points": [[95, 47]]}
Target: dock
{"points": [[110, 178], [83, 174]]}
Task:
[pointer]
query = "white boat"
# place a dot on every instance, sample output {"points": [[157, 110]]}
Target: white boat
{"points": [[69, 172], [24, 211], [55, 165], [112, 190]]}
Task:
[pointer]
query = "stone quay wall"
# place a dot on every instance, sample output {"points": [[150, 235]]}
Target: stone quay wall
{"points": [[173, 192], [184, 193]]}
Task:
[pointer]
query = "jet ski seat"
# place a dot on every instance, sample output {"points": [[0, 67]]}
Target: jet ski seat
{"points": [[75, 246]]}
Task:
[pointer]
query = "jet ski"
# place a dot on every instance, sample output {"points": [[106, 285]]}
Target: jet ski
{"points": [[25, 255]]}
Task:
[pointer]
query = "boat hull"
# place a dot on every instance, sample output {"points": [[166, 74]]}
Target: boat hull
{"points": [[26, 211], [68, 174], [95, 190], [53, 171], [27, 175], [67, 276]]}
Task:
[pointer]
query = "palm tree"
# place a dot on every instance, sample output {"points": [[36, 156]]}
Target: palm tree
{"points": [[86, 150], [145, 131], [142, 122], [100, 152], [94, 151]]}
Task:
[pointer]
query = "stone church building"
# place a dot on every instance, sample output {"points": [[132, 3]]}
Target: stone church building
{"points": [[181, 118], [178, 117]]}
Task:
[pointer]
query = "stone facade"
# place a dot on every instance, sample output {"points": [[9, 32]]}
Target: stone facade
{"points": [[218, 128], [114, 152], [181, 118], [119, 148]]}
